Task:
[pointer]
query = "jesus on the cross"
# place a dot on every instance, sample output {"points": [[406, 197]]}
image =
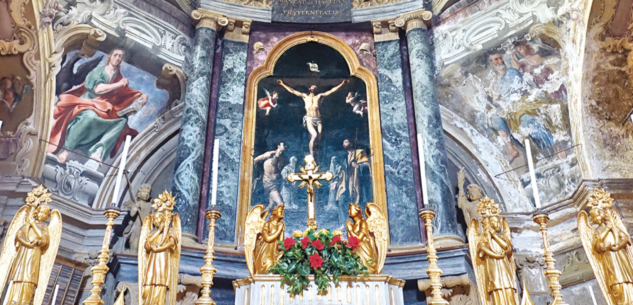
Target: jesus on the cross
{"points": [[310, 177]]}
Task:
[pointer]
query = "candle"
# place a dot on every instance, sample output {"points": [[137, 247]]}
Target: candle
{"points": [[54, 299], [0, 124], [119, 177], [214, 180], [425, 195], [528, 152], [6, 295], [593, 297]]}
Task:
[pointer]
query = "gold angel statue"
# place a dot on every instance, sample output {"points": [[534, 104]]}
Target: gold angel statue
{"points": [[159, 253], [371, 233], [260, 242], [29, 250], [608, 247], [492, 256]]}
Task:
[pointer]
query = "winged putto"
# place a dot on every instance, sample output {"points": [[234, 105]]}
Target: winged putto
{"points": [[371, 234], [492, 256], [159, 253], [608, 247], [29, 250]]}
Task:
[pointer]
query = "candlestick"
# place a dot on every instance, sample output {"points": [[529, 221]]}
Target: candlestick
{"points": [[208, 271], [552, 274], [6, 295], [528, 152], [119, 177], [434, 270], [101, 269], [54, 299], [214, 179], [593, 297], [425, 197]]}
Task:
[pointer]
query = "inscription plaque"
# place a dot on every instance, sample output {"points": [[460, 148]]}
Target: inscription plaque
{"points": [[312, 11]]}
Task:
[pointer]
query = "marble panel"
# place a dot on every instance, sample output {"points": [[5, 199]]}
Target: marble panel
{"points": [[401, 197], [429, 124], [190, 151], [228, 129]]}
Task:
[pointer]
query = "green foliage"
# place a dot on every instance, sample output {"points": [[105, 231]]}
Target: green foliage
{"points": [[295, 264]]}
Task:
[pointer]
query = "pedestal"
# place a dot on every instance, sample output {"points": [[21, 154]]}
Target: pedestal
{"points": [[365, 290]]}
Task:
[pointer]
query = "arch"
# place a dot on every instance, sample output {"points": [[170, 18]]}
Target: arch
{"points": [[266, 70]]}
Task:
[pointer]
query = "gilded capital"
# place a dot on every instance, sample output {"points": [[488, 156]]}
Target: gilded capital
{"points": [[414, 20], [238, 29], [93, 40], [385, 30], [208, 19]]}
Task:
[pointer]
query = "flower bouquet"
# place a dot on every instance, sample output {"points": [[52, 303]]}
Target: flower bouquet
{"points": [[322, 254]]}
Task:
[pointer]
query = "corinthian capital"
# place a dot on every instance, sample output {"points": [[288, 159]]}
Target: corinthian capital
{"points": [[414, 20], [208, 19]]}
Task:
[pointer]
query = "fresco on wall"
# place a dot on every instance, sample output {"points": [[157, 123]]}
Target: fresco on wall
{"points": [[310, 105], [513, 92], [607, 91], [99, 101]]}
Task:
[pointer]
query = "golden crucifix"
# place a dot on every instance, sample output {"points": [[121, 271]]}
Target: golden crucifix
{"points": [[310, 177]]}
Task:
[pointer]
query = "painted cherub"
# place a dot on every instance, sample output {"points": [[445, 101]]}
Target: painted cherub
{"points": [[359, 106], [268, 102]]}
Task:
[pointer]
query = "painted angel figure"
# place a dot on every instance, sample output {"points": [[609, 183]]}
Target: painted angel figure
{"points": [[260, 242], [492, 256], [268, 102], [358, 106], [608, 247], [159, 253], [30, 249], [371, 233]]}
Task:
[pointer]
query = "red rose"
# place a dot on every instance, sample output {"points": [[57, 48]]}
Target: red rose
{"points": [[316, 261], [336, 239], [318, 245], [289, 242], [305, 242], [353, 242]]}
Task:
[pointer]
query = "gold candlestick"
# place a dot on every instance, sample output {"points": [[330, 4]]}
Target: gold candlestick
{"points": [[101, 269], [552, 274], [434, 270], [208, 271]]}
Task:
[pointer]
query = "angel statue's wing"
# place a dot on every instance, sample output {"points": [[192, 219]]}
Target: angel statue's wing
{"points": [[8, 250], [254, 225], [474, 237], [143, 256], [120, 300], [175, 259], [48, 257], [586, 233], [505, 230], [378, 225]]}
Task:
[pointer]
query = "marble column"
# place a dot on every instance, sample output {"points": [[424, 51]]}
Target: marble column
{"points": [[402, 204], [229, 121], [447, 231], [191, 143]]}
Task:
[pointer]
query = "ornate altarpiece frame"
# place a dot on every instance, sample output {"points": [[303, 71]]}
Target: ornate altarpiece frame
{"points": [[266, 70]]}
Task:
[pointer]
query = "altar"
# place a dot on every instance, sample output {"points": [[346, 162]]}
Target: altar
{"points": [[374, 289]]}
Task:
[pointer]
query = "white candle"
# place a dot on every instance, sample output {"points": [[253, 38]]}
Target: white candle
{"points": [[119, 177], [593, 297], [528, 152], [54, 299], [425, 195], [214, 181], [6, 295], [0, 124]]}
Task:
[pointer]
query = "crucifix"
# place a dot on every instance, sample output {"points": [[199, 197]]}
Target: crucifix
{"points": [[310, 177]]}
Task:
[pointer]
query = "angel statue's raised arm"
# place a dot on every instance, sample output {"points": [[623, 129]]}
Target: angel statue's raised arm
{"points": [[371, 233], [30, 249], [608, 248], [260, 242], [492, 256]]}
